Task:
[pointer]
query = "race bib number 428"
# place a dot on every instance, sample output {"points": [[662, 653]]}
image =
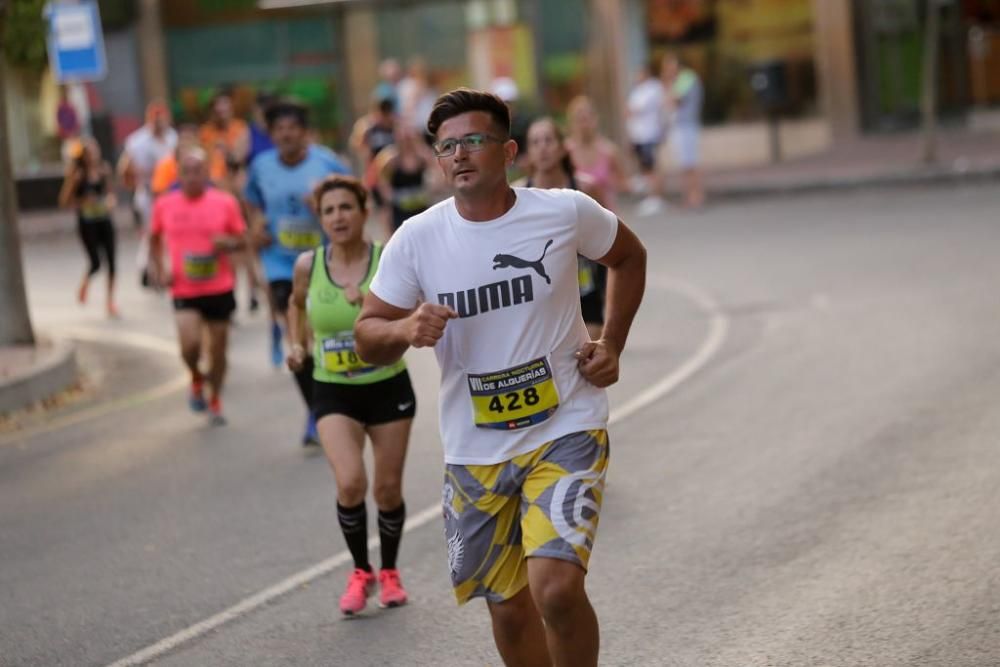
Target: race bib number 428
{"points": [[514, 398]]}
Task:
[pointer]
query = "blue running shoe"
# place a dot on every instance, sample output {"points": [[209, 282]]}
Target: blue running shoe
{"points": [[196, 399], [311, 437], [277, 351]]}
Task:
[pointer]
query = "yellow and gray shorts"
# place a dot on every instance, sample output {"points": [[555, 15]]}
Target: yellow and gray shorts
{"points": [[545, 503]]}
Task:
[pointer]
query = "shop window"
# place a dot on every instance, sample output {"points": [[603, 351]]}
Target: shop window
{"points": [[725, 40]]}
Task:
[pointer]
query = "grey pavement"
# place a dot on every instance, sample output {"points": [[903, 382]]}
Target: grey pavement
{"points": [[822, 493]]}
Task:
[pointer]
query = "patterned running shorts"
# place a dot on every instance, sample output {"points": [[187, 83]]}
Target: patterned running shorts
{"points": [[545, 503]]}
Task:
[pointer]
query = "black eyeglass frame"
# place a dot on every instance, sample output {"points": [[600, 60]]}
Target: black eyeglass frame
{"points": [[448, 147]]}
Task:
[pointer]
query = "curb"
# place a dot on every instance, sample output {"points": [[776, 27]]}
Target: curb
{"points": [[54, 370], [921, 177]]}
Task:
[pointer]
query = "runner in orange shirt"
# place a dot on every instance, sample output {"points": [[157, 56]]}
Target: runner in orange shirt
{"points": [[165, 176], [226, 138], [200, 226]]}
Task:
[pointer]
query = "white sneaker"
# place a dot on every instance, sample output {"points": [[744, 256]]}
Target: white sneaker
{"points": [[649, 206], [639, 185]]}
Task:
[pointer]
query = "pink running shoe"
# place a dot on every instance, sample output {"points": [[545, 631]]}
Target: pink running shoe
{"points": [[392, 594], [360, 585]]}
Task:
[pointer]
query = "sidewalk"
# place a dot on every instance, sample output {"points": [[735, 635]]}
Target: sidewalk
{"points": [[963, 155], [32, 374]]}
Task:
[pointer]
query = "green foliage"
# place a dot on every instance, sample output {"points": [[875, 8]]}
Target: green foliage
{"points": [[23, 34]]}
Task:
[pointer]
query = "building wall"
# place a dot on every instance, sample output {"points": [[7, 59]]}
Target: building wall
{"points": [[300, 56]]}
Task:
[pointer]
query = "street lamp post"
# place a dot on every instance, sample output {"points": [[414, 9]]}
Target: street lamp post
{"points": [[15, 322]]}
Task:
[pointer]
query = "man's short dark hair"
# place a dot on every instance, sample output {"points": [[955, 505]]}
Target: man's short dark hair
{"points": [[464, 100], [286, 109]]}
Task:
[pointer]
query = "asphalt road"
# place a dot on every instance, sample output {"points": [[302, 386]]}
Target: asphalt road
{"points": [[815, 480]]}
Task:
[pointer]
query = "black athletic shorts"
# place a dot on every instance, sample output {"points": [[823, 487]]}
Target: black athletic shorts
{"points": [[646, 154], [213, 308], [369, 404], [593, 307], [281, 294]]}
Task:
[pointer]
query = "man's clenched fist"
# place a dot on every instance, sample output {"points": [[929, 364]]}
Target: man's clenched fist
{"points": [[425, 325]]}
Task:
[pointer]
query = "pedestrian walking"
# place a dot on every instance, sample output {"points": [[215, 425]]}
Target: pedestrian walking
{"points": [[646, 131], [279, 190], [685, 95], [353, 399], [199, 227], [89, 189], [389, 75], [488, 278], [550, 166]]}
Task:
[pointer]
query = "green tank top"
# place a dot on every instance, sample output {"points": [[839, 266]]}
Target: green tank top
{"points": [[332, 319]]}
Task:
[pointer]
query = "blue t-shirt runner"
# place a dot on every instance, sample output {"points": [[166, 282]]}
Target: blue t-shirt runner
{"points": [[282, 193]]}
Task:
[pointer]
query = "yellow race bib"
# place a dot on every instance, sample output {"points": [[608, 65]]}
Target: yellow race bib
{"points": [[94, 209], [298, 235], [585, 276], [514, 398], [339, 357], [200, 267]]}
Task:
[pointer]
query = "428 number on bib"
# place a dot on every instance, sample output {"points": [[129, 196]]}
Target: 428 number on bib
{"points": [[515, 397], [514, 400]]}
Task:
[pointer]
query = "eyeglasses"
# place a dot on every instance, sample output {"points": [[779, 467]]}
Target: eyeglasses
{"points": [[470, 142]]}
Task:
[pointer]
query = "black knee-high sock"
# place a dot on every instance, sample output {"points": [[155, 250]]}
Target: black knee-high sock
{"points": [[304, 378], [390, 530], [354, 525]]}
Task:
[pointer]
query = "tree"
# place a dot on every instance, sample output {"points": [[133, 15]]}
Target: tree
{"points": [[15, 322], [928, 100], [23, 34]]}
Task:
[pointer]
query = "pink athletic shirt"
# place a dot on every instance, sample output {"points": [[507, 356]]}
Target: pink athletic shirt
{"points": [[189, 227]]}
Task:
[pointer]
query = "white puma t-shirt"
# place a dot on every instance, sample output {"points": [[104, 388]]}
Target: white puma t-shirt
{"points": [[509, 378]]}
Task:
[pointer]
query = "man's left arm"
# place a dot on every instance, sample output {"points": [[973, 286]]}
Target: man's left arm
{"points": [[626, 262]]}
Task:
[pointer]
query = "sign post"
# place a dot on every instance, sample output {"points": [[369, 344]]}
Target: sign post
{"points": [[75, 41]]}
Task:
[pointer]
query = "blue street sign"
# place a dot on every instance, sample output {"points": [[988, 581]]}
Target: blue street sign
{"points": [[75, 41]]}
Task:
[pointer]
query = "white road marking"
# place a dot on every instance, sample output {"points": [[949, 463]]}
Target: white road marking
{"points": [[718, 328], [263, 597], [133, 339]]}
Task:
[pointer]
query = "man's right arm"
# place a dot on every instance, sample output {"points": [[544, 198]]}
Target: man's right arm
{"points": [[383, 332]]}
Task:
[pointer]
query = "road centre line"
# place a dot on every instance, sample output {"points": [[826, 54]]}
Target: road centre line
{"points": [[718, 328]]}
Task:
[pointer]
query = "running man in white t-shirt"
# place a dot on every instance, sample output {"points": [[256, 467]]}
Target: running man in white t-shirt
{"points": [[489, 279]]}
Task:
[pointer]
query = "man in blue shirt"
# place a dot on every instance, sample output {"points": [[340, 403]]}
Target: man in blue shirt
{"points": [[279, 188], [260, 137]]}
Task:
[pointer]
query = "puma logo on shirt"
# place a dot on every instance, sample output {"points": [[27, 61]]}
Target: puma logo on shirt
{"points": [[501, 294], [506, 261]]}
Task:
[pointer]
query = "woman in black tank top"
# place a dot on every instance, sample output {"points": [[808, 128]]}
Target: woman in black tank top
{"points": [[87, 188], [403, 177], [550, 166]]}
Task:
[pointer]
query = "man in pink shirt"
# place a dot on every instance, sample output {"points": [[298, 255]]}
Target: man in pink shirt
{"points": [[200, 227]]}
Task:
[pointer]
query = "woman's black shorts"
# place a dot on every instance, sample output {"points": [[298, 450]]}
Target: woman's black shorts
{"points": [[370, 404]]}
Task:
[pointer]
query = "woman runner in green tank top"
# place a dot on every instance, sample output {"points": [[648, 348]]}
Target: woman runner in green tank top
{"points": [[352, 398]]}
